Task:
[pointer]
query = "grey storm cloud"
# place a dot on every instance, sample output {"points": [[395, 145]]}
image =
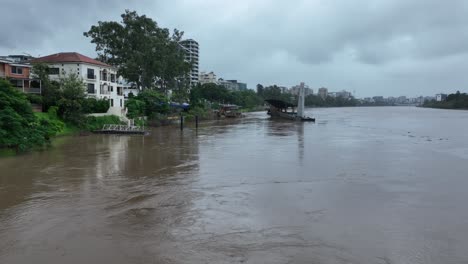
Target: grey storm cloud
{"points": [[375, 47]]}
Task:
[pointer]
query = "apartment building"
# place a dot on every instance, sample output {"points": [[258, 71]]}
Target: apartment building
{"points": [[101, 79], [191, 49]]}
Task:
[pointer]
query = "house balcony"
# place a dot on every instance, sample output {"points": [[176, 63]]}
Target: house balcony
{"points": [[105, 77], [105, 92], [32, 90]]}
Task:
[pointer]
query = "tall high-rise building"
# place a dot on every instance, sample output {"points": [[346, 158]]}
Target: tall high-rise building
{"points": [[323, 92], [191, 55], [296, 89]]}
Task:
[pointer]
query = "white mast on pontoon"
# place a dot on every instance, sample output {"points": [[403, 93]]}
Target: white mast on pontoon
{"points": [[300, 101]]}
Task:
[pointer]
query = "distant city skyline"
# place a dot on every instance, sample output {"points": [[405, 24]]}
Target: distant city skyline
{"points": [[387, 48]]}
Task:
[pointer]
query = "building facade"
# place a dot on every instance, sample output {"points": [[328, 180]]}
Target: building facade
{"points": [[233, 85], [209, 77], [191, 49], [323, 92], [18, 73], [441, 97], [296, 89], [100, 78], [343, 94]]}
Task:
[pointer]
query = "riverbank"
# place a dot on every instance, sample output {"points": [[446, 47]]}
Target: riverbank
{"points": [[443, 107], [452, 101], [57, 128]]}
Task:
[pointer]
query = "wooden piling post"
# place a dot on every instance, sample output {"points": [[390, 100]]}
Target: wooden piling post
{"points": [[181, 122], [196, 121]]}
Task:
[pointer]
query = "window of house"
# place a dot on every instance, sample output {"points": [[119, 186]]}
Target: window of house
{"points": [[54, 71], [35, 84], [91, 74], [112, 102], [16, 70], [112, 77], [104, 75], [16, 83], [91, 88]]}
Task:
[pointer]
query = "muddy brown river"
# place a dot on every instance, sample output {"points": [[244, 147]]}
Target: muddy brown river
{"points": [[362, 185]]}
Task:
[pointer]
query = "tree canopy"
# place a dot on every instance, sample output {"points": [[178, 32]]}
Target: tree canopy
{"points": [[70, 105], [50, 91], [219, 94], [143, 52]]}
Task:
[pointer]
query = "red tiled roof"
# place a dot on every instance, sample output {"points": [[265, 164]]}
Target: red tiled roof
{"points": [[69, 57]]}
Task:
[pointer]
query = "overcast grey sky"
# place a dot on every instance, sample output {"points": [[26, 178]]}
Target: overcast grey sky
{"points": [[372, 47]]}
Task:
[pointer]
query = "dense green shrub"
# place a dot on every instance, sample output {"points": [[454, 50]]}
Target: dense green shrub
{"points": [[34, 98], [135, 107], [50, 120], [201, 112], [93, 123], [19, 127], [93, 105]]}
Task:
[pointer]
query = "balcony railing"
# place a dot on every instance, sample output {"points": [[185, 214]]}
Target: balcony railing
{"points": [[32, 90], [104, 91]]}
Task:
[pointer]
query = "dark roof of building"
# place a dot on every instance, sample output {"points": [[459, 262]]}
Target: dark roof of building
{"points": [[70, 57]]}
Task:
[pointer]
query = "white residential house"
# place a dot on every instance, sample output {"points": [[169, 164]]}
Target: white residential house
{"points": [[441, 97], [100, 78], [128, 87]]}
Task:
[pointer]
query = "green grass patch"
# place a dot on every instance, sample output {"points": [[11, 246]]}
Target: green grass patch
{"points": [[6, 152], [97, 122]]}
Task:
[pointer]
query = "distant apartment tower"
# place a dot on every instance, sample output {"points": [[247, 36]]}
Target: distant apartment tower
{"points": [[284, 89], [209, 77], [191, 50], [323, 92], [343, 94], [233, 85], [295, 90]]}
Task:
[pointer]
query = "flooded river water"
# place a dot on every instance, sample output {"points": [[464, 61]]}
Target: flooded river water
{"points": [[362, 185]]}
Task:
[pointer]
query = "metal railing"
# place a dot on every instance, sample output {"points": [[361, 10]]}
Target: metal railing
{"points": [[32, 90], [124, 128]]}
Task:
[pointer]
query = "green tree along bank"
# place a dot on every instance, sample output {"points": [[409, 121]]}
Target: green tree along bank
{"points": [[20, 128], [453, 101], [143, 52], [217, 94], [317, 101]]}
